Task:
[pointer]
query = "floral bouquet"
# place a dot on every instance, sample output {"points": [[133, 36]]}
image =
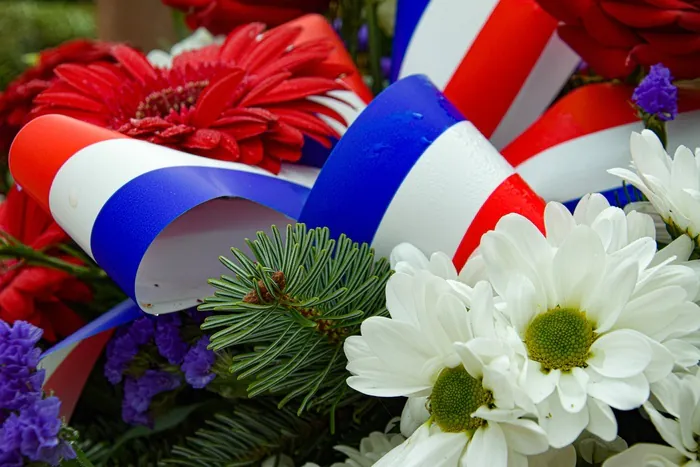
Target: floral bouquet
{"points": [[413, 233]]}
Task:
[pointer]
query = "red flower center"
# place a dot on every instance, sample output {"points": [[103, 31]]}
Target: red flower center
{"points": [[161, 103]]}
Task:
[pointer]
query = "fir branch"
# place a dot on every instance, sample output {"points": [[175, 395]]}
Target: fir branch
{"points": [[247, 437], [290, 309]]}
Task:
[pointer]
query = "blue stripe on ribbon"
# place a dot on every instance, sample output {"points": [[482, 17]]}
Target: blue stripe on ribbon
{"points": [[371, 161], [134, 216], [123, 313], [620, 197], [408, 14]]}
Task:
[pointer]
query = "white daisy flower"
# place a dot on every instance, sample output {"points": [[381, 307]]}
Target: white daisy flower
{"points": [[672, 185], [595, 323], [372, 448], [197, 40], [454, 362], [680, 427]]}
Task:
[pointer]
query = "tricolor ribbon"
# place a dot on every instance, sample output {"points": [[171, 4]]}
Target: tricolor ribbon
{"points": [[499, 62], [566, 153], [410, 169]]}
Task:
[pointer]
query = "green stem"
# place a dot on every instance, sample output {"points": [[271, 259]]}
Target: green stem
{"points": [[38, 258], [375, 47]]}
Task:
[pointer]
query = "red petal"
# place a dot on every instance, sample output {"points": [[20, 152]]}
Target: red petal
{"points": [[81, 78], [310, 107], [252, 151], [568, 11], [203, 139], [238, 42], [643, 16], [306, 123], [298, 88], [262, 88], [138, 65], [245, 130], [272, 46], [674, 44], [67, 99], [609, 62], [63, 320], [215, 98], [286, 134], [606, 31], [683, 67], [271, 165], [282, 151]]}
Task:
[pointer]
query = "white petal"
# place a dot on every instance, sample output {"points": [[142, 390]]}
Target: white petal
{"points": [[641, 454], [414, 415], [578, 266], [681, 248], [684, 172], [620, 393], [442, 266], [525, 437], [670, 430], [454, 318], [661, 364], [558, 222], [572, 389], [562, 427], [686, 354], [482, 311], [488, 447], [537, 384], [649, 155], [408, 253], [611, 227], [602, 421], [522, 305], [605, 305], [620, 354], [399, 298]]}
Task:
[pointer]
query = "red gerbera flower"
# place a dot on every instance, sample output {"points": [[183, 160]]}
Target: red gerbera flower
{"points": [[34, 293], [223, 16], [244, 100], [16, 101]]}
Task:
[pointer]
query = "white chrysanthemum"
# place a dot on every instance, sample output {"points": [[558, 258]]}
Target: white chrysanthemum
{"points": [[372, 448], [596, 323], [679, 397], [197, 40], [672, 185], [595, 450], [453, 361]]}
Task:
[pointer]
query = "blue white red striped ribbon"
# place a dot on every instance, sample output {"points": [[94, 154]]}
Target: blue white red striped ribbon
{"points": [[567, 152], [499, 61]]}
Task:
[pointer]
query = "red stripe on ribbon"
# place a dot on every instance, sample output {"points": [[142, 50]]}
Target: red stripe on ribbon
{"points": [[68, 380], [584, 111], [499, 61], [511, 196]]}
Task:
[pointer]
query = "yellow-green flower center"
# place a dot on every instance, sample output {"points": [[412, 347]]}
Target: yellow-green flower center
{"points": [[455, 397], [560, 339]]}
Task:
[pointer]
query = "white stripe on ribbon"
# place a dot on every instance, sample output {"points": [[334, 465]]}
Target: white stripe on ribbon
{"points": [[89, 178], [444, 22], [346, 103], [448, 186], [546, 79], [571, 169]]}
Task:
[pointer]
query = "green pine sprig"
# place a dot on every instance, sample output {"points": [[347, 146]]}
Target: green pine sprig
{"points": [[246, 437], [289, 309]]}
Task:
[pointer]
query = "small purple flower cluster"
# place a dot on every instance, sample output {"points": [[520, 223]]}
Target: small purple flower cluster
{"points": [[656, 95], [30, 424], [138, 394], [195, 362]]}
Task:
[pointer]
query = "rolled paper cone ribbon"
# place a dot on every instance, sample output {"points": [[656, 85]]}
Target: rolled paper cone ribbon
{"points": [[412, 169], [566, 153], [67, 369], [154, 218], [348, 103], [499, 61]]}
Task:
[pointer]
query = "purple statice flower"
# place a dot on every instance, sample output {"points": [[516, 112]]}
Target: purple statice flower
{"points": [[138, 394], [656, 95], [198, 363], [11, 459], [34, 433], [20, 382], [363, 38], [168, 340], [124, 346]]}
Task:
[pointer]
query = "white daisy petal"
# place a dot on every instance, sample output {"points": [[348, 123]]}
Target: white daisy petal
{"points": [[525, 437], [488, 447], [620, 393], [578, 266], [414, 415], [620, 354], [643, 454], [539, 385], [558, 223], [571, 389], [670, 430], [602, 421], [661, 364], [562, 427]]}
